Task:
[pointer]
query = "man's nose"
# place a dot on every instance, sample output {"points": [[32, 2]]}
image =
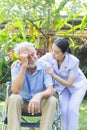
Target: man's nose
{"points": [[30, 56]]}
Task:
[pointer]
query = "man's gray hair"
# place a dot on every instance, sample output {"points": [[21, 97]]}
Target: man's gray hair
{"points": [[24, 45]]}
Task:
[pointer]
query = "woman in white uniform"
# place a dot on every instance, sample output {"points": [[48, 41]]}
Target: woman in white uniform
{"points": [[70, 82]]}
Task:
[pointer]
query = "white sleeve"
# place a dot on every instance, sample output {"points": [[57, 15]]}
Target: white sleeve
{"points": [[74, 70]]}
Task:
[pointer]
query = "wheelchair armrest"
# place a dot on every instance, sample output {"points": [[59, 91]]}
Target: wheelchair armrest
{"points": [[56, 94]]}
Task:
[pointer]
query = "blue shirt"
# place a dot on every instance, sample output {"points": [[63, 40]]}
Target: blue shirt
{"points": [[69, 69], [33, 83]]}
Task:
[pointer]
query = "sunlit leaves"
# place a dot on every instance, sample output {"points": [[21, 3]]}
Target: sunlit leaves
{"points": [[84, 22]]}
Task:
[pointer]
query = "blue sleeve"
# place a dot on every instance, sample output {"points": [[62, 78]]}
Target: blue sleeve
{"points": [[48, 80]]}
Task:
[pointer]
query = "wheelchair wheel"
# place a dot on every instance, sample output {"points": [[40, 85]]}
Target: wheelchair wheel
{"points": [[4, 126]]}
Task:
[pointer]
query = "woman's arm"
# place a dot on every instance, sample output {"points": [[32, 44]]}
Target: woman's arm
{"points": [[67, 83]]}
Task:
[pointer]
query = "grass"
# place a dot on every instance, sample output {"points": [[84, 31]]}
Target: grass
{"points": [[82, 119], [83, 116]]}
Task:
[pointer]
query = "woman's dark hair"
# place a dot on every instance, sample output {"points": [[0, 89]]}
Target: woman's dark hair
{"points": [[63, 44]]}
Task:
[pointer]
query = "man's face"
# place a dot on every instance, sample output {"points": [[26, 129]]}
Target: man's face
{"points": [[31, 56]]}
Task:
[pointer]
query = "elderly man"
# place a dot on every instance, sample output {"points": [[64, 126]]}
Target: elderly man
{"points": [[32, 89]]}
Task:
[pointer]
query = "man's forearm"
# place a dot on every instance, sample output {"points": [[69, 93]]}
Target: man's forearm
{"points": [[18, 81], [47, 93]]}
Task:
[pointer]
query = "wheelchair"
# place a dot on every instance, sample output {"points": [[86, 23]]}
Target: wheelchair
{"points": [[27, 121]]}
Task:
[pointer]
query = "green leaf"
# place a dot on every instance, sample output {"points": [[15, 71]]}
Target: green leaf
{"points": [[84, 22]]}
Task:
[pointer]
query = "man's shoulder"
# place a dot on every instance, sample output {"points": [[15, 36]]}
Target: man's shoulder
{"points": [[15, 64]]}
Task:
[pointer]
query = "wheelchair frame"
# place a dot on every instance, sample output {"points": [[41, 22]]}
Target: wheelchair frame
{"points": [[25, 122]]}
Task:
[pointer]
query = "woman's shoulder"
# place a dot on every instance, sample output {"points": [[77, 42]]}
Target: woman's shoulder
{"points": [[46, 57], [41, 64], [73, 60], [47, 54]]}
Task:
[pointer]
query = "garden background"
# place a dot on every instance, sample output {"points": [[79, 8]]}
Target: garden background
{"points": [[40, 22]]}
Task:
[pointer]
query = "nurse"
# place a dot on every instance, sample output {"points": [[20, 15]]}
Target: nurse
{"points": [[70, 82]]}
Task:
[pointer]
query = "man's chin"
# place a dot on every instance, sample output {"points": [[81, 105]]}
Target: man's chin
{"points": [[31, 66]]}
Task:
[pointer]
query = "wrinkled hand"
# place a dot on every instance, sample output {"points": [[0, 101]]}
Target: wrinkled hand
{"points": [[23, 57], [22, 60], [34, 104], [49, 70]]}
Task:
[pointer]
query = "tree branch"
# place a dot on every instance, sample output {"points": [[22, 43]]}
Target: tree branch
{"points": [[38, 29]]}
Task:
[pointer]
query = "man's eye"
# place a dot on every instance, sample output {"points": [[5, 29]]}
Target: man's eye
{"points": [[57, 52]]}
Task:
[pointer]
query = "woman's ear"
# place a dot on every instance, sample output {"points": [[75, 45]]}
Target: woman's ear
{"points": [[65, 53]]}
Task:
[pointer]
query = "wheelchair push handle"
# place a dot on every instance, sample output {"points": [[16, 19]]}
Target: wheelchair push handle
{"points": [[8, 83]]}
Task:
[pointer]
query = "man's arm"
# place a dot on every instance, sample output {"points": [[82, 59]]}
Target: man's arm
{"points": [[18, 81], [47, 93]]}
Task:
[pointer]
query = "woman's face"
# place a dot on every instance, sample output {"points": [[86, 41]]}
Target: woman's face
{"points": [[57, 53]]}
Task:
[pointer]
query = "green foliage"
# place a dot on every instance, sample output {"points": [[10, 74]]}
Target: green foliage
{"points": [[84, 22], [81, 53], [73, 46], [2, 92], [84, 69]]}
